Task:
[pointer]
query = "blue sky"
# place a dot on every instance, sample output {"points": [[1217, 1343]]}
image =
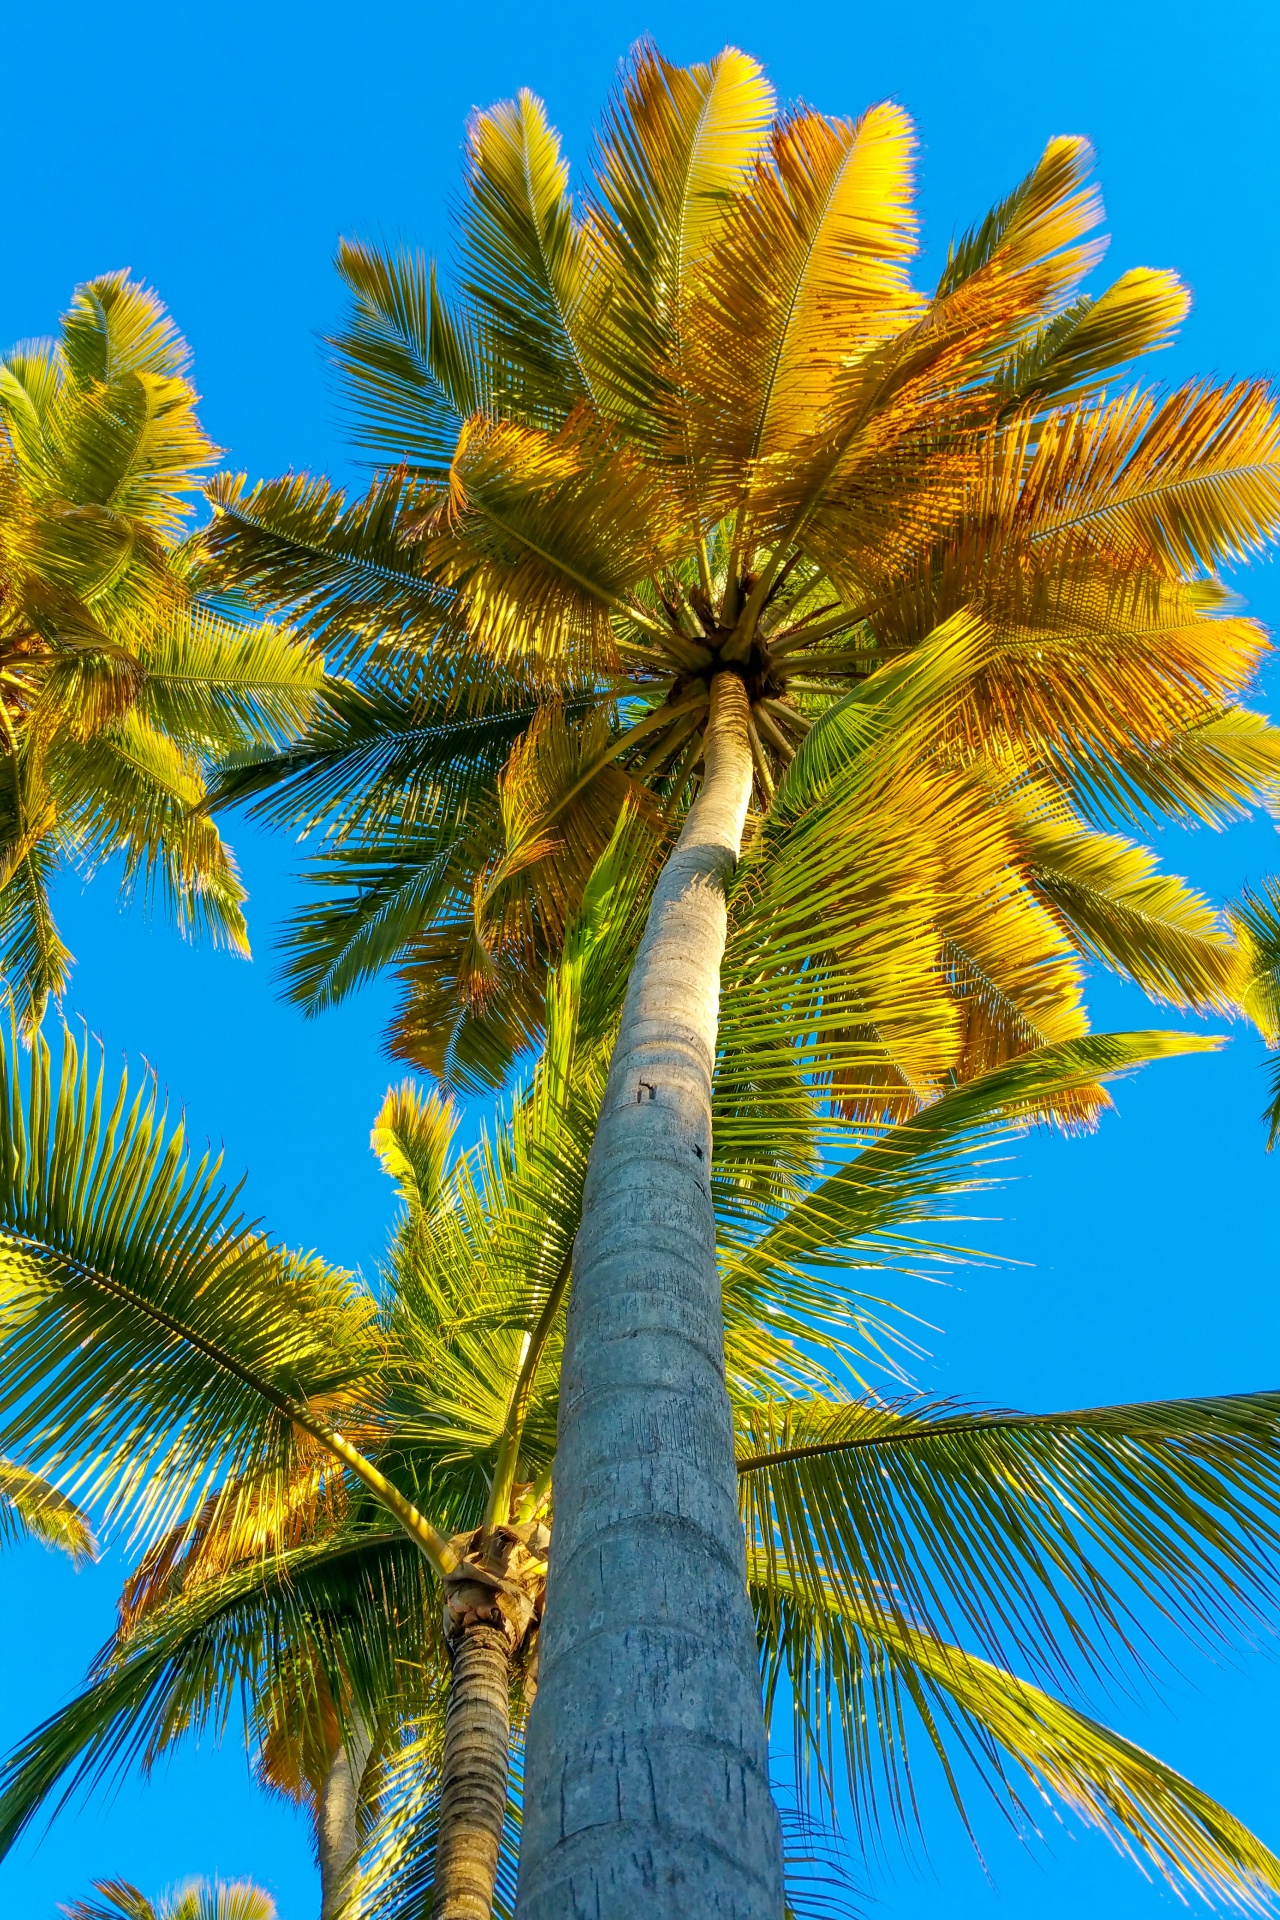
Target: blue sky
{"points": [[219, 151]]}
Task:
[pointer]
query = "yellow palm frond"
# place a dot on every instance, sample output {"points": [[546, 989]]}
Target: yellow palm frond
{"points": [[830, 213], [523, 268], [675, 148], [544, 537]]}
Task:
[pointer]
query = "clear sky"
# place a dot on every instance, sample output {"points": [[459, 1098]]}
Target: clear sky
{"points": [[219, 151]]}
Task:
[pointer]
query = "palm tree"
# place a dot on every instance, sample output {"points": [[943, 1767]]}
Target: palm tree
{"points": [[195, 1374], [690, 493], [199, 1900], [118, 687]]}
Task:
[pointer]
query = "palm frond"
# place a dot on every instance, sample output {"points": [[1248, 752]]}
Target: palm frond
{"points": [[1256, 918], [31, 1506], [328, 1614], [1076, 353], [408, 370], [1032, 1534], [677, 145], [347, 573], [151, 1334], [885, 1676], [523, 265]]}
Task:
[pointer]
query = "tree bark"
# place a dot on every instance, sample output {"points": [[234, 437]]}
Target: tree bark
{"points": [[473, 1785], [646, 1780], [337, 1820]]}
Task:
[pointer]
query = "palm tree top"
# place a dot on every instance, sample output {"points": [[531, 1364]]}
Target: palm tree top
{"points": [[196, 1900], [697, 420]]}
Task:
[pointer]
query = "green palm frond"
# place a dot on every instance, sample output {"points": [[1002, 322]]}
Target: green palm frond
{"points": [[136, 792], [786, 1249], [225, 687], [403, 359], [1121, 909], [347, 573], [106, 418], [197, 1900], [34, 961], [350, 1610], [523, 263], [386, 752], [1257, 918], [150, 1332], [118, 688], [1029, 1534], [888, 1683], [398, 1864]]}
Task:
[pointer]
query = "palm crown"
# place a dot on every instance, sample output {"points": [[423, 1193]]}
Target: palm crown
{"points": [[198, 1900], [700, 420]]}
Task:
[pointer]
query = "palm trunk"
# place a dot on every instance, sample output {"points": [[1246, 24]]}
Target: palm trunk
{"points": [[337, 1820], [473, 1786], [646, 1784]]}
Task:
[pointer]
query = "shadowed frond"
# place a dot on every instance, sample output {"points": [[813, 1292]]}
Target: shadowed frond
{"points": [[346, 573], [408, 372]]}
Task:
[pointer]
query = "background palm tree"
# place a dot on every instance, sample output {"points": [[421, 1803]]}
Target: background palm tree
{"points": [[689, 476], [198, 1900], [118, 686], [905, 1560]]}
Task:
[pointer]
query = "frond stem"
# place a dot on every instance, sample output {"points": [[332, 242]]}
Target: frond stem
{"points": [[498, 1506], [420, 1530]]}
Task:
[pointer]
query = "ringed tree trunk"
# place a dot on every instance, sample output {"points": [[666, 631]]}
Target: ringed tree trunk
{"points": [[473, 1784], [492, 1603], [337, 1820], [646, 1777]]}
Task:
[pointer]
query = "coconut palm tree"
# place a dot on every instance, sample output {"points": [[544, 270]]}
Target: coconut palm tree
{"points": [[198, 1900], [902, 1556], [118, 688], [688, 491]]}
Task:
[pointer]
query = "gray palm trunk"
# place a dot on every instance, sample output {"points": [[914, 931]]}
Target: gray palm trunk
{"points": [[646, 1781], [338, 1821], [473, 1784]]}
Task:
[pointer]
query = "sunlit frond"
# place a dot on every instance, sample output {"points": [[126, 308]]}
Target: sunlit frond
{"points": [[151, 1334], [676, 147], [31, 1506], [1080, 349], [1033, 1535], [891, 1685], [523, 264]]}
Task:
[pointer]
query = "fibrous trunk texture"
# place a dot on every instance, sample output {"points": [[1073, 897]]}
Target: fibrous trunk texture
{"points": [[473, 1786], [646, 1780], [337, 1821]]}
